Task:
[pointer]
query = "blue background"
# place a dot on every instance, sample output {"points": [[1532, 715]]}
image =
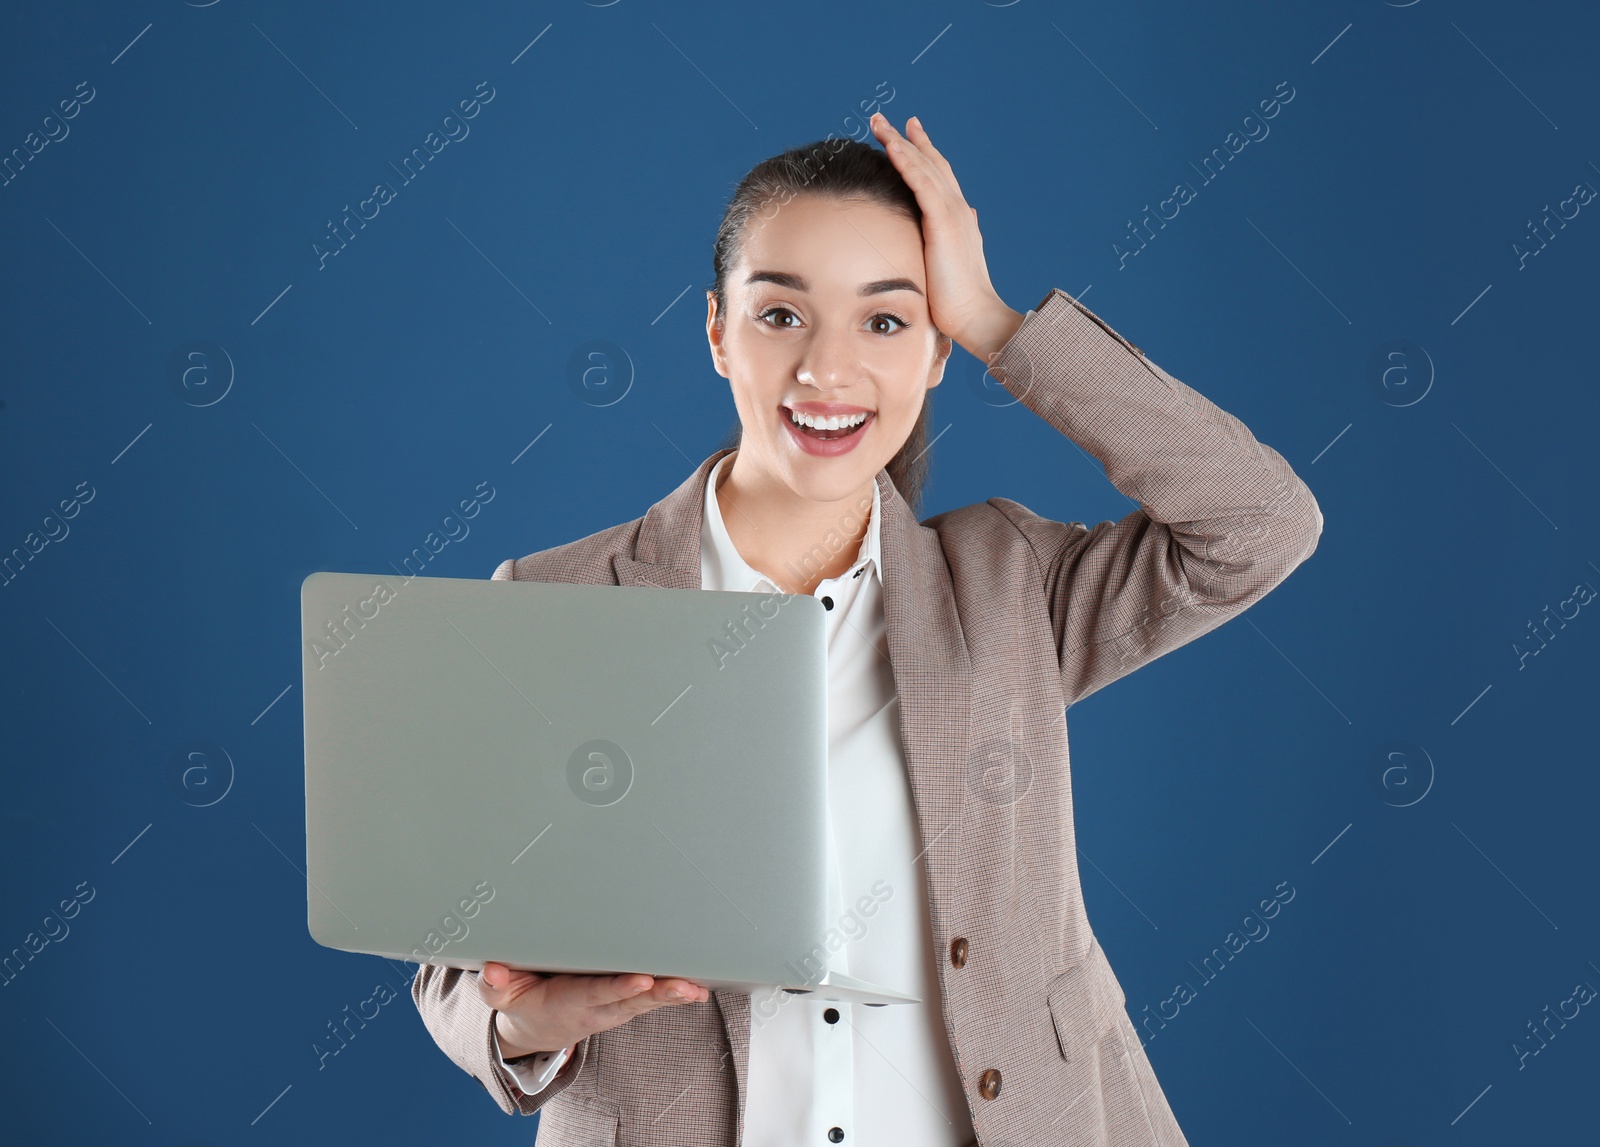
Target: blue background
{"points": [[370, 396]]}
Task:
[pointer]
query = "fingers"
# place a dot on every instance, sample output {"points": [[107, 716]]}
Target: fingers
{"points": [[549, 1010], [901, 149], [638, 992], [497, 981], [919, 135], [611, 1000], [598, 991], [664, 994], [920, 164], [674, 990], [915, 144]]}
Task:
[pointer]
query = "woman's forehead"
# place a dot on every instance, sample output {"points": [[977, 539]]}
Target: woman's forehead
{"points": [[831, 244]]}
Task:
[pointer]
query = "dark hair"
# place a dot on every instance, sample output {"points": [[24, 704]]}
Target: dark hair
{"points": [[842, 169]]}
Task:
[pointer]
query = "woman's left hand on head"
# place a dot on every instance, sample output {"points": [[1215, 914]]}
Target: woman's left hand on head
{"points": [[961, 299]]}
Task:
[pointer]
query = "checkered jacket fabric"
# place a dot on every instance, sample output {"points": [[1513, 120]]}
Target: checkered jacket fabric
{"points": [[998, 620]]}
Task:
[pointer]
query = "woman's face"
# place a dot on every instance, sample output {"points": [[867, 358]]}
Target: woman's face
{"points": [[827, 318]]}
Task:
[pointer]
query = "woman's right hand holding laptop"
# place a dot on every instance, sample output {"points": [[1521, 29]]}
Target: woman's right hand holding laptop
{"points": [[537, 1012]]}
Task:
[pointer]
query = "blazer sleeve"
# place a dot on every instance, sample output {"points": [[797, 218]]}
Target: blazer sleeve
{"points": [[462, 1024], [1221, 518]]}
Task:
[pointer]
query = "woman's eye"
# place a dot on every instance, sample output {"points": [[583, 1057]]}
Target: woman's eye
{"points": [[896, 322], [777, 311]]}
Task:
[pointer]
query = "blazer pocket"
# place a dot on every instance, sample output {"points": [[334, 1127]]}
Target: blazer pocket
{"points": [[572, 1121], [1085, 1002], [1092, 1029]]}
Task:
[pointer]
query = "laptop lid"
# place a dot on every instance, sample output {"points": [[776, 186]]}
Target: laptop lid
{"points": [[568, 777]]}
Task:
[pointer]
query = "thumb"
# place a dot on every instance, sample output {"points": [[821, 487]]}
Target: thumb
{"points": [[497, 976]]}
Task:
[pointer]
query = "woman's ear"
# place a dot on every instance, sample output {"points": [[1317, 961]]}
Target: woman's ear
{"points": [[944, 346], [714, 331]]}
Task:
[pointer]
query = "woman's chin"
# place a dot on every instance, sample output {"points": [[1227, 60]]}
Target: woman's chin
{"points": [[829, 479], [826, 477]]}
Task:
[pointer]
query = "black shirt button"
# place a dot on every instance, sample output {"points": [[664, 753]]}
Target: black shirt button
{"points": [[836, 1135], [831, 1016], [827, 603]]}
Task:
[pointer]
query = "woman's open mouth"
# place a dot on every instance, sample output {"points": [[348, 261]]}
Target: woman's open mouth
{"points": [[826, 435]]}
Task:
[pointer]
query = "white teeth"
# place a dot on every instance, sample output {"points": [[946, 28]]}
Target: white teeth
{"points": [[832, 422]]}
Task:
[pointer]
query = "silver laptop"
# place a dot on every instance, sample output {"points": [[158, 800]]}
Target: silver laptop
{"points": [[570, 778]]}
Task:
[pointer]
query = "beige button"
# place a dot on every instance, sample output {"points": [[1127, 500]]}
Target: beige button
{"points": [[989, 1084]]}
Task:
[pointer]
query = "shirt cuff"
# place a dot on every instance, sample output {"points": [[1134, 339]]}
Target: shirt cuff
{"points": [[532, 1074]]}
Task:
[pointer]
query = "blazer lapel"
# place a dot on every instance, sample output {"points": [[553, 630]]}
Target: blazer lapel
{"points": [[933, 678], [667, 549], [631, 572]]}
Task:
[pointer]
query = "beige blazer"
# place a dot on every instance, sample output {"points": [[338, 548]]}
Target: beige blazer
{"points": [[998, 619]]}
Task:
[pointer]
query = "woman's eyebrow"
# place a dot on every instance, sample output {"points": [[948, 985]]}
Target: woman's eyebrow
{"points": [[798, 283], [883, 286]]}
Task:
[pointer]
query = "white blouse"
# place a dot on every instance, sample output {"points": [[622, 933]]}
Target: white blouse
{"points": [[825, 1073]]}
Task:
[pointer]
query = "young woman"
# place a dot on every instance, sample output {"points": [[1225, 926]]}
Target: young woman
{"points": [[844, 275]]}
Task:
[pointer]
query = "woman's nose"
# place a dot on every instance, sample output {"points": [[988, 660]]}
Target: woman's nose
{"points": [[827, 363]]}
